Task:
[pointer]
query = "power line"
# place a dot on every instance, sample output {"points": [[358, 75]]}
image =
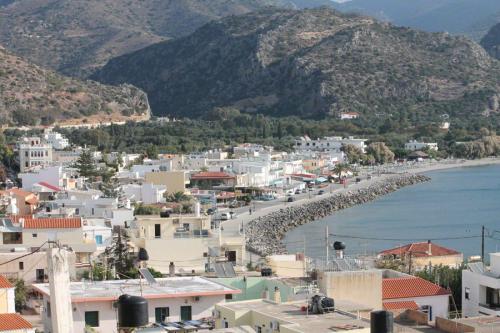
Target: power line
{"points": [[404, 239], [24, 255]]}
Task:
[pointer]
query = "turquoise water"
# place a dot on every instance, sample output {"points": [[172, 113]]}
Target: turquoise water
{"points": [[456, 203]]}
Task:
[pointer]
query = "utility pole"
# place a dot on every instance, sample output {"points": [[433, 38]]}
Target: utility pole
{"points": [[60, 296], [482, 244], [327, 246], [305, 261]]}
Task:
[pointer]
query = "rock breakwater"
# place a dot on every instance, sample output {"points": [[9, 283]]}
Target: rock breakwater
{"points": [[264, 234]]}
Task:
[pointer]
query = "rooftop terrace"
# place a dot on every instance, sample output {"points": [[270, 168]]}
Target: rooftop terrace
{"points": [[164, 288]]}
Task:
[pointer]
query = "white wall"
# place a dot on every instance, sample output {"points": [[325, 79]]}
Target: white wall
{"points": [[51, 175], [108, 316], [439, 304]]}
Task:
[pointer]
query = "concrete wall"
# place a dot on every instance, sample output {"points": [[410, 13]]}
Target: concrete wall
{"points": [[7, 304], [361, 287], [108, 315], [31, 264], [449, 326], [253, 288], [174, 180], [451, 261], [286, 265], [439, 304]]}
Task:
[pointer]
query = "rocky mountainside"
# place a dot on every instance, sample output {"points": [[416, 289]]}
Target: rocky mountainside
{"points": [[469, 17], [312, 63], [491, 42], [76, 36], [30, 95]]}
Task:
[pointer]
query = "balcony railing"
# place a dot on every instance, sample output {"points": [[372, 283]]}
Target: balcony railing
{"points": [[494, 307]]}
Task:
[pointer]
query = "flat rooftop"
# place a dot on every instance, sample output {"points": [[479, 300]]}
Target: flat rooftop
{"points": [[173, 287], [483, 324], [291, 312]]}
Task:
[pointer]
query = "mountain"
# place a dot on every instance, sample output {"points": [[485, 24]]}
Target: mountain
{"points": [[30, 95], [312, 63], [491, 42], [469, 17], [76, 36]]}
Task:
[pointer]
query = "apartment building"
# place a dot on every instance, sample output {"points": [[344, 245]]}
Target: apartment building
{"points": [[187, 241], [33, 153]]}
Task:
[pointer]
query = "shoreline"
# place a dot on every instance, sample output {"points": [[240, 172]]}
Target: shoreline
{"points": [[262, 225], [265, 233]]}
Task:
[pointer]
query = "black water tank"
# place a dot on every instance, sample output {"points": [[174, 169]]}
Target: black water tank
{"points": [[143, 255], [132, 311], [266, 272], [165, 214], [339, 246], [381, 322]]}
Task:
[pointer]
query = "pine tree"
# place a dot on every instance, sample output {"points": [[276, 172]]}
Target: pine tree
{"points": [[85, 165], [119, 256]]}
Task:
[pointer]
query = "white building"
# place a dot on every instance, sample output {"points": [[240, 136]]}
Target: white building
{"points": [[332, 144], [481, 288], [57, 140], [146, 193], [33, 153], [413, 145], [169, 300], [349, 115]]}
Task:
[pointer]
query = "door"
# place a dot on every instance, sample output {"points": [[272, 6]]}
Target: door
{"points": [[40, 275], [186, 313], [231, 256]]}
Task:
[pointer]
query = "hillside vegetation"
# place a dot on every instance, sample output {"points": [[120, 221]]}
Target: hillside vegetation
{"points": [[76, 36], [314, 63], [491, 42], [30, 95]]}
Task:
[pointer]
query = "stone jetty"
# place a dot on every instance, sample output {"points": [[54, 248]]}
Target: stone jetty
{"points": [[264, 234]]}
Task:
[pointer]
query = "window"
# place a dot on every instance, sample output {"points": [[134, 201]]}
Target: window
{"points": [[161, 314], [49, 311], [92, 318], [21, 265], [185, 312], [98, 239], [467, 293], [40, 275], [157, 230], [229, 296], [34, 235], [12, 238]]}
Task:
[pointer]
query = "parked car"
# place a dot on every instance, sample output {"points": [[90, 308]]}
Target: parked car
{"points": [[290, 199], [320, 192], [210, 211], [297, 191], [304, 190], [225, 216], [234, 204], [290, 193]]}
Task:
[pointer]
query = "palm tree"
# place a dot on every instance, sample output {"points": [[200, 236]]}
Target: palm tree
{"points": [[177, 197], [341, 168]]}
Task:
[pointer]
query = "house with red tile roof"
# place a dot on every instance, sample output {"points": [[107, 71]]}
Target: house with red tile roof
{"points": [[424, 254], [404, 292], [14, 323], [25, 202]]}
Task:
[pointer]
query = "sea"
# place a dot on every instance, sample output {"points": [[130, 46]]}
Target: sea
{"points": [[450, 210]]}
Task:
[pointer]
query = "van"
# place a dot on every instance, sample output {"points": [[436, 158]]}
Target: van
{"points": [[224, 216]]}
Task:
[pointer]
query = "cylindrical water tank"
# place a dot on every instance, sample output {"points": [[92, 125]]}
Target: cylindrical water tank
{"points": [[339, 246], [381, 322], [132, 311]]}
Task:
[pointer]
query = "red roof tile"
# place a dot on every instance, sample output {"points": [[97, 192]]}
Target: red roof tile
{"points": [[403, 305], [211, 175], [53, 223], [420, 250], [12, 322], [407, 287], [49, 186], [4, 283]]}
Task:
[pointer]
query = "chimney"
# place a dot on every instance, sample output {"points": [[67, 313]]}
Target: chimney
{"points": [[429, 244], [277, 295], [171, 269]]}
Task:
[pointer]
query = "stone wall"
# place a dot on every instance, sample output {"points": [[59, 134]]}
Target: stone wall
{"points": [[450, 326], [264, 234]]}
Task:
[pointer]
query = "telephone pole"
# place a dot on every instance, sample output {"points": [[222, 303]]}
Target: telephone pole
{"points": [[60, 296], [482, 244]]}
